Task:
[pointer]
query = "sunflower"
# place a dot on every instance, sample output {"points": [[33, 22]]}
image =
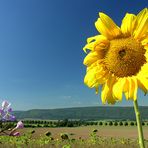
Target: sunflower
{"points": [[118, 57]]}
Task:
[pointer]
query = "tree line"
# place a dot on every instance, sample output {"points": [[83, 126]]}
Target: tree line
{"points": [[76, 123]]}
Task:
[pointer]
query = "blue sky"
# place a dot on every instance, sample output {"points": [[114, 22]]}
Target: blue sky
{"points": [[41, 57]]}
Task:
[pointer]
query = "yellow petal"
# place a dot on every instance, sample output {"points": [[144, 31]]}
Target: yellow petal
{"points": [[88, 46], [118, 88], [102, 29], [102, 76], [91, 58], [109, 23], [106, 26], [144, 70], [128, 24], [126, 88], [89, 78], [142, 26], [143, 84], [133, 88], [145, 42], [96, 43], [106, 94]]}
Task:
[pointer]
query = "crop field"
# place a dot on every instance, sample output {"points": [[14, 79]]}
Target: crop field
{"points": [[85, 131], [75, 137]]}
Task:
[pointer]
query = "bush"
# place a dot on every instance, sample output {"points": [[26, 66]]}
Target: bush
{"points": [[120, 123], [115, 123], [45, 125], [70, 124], [125, 123], [105, 123], [64, 136], [110, 123], [95, 123], [132, 123], [38, 125], [100, 123]]}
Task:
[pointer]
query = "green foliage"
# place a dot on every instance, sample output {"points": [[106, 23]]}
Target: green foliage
{"points": [[105, 123], [125, 123], [94, 141], [132, 123], [120, 123], [110, 123], [143, 123], [100, 123], [64, 136], [115, 123], [76, 123]]}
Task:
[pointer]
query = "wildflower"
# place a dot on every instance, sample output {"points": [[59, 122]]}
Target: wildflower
{"points": [[8, 117], [5, 112], [5, 105], [118, 58], [19, 125]]}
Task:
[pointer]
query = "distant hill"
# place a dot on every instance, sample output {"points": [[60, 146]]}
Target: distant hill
{"points": [[83, 113]]}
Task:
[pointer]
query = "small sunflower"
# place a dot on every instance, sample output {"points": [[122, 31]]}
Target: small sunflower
{"points": [[118, 57]]}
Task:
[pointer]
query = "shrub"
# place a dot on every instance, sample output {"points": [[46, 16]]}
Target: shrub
{"points": [[143, 123], [100, 123], [105, 123], [38, 125], [115, 123], [132, 123], [64, 136], [125, 123], [110, 123], [120, 123], [45, 125], [95, 123], [70, 124]]}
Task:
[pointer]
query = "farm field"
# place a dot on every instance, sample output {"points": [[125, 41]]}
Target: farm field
{"points": [[75, 137], [84, 132]]}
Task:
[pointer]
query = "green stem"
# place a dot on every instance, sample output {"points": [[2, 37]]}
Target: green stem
{"points": [[139, 125]]}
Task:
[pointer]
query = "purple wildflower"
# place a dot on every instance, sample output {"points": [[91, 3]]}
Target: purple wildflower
{"points": [[19, 125]]}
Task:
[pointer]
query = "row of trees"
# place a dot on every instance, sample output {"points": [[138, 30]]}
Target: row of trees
{"points": [[76, 123], [59, 123]]}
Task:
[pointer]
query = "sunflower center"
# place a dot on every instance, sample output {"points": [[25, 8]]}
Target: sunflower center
{"points": [[125, 57]]}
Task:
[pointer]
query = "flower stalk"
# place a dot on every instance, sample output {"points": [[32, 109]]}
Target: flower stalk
{"points": [[139, 125]]}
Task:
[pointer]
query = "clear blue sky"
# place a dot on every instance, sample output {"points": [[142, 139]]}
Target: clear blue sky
{"points": [[41, 57]]}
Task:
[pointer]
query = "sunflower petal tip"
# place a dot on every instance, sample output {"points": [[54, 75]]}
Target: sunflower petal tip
{"points": [[84, 49], [101, 14]]}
